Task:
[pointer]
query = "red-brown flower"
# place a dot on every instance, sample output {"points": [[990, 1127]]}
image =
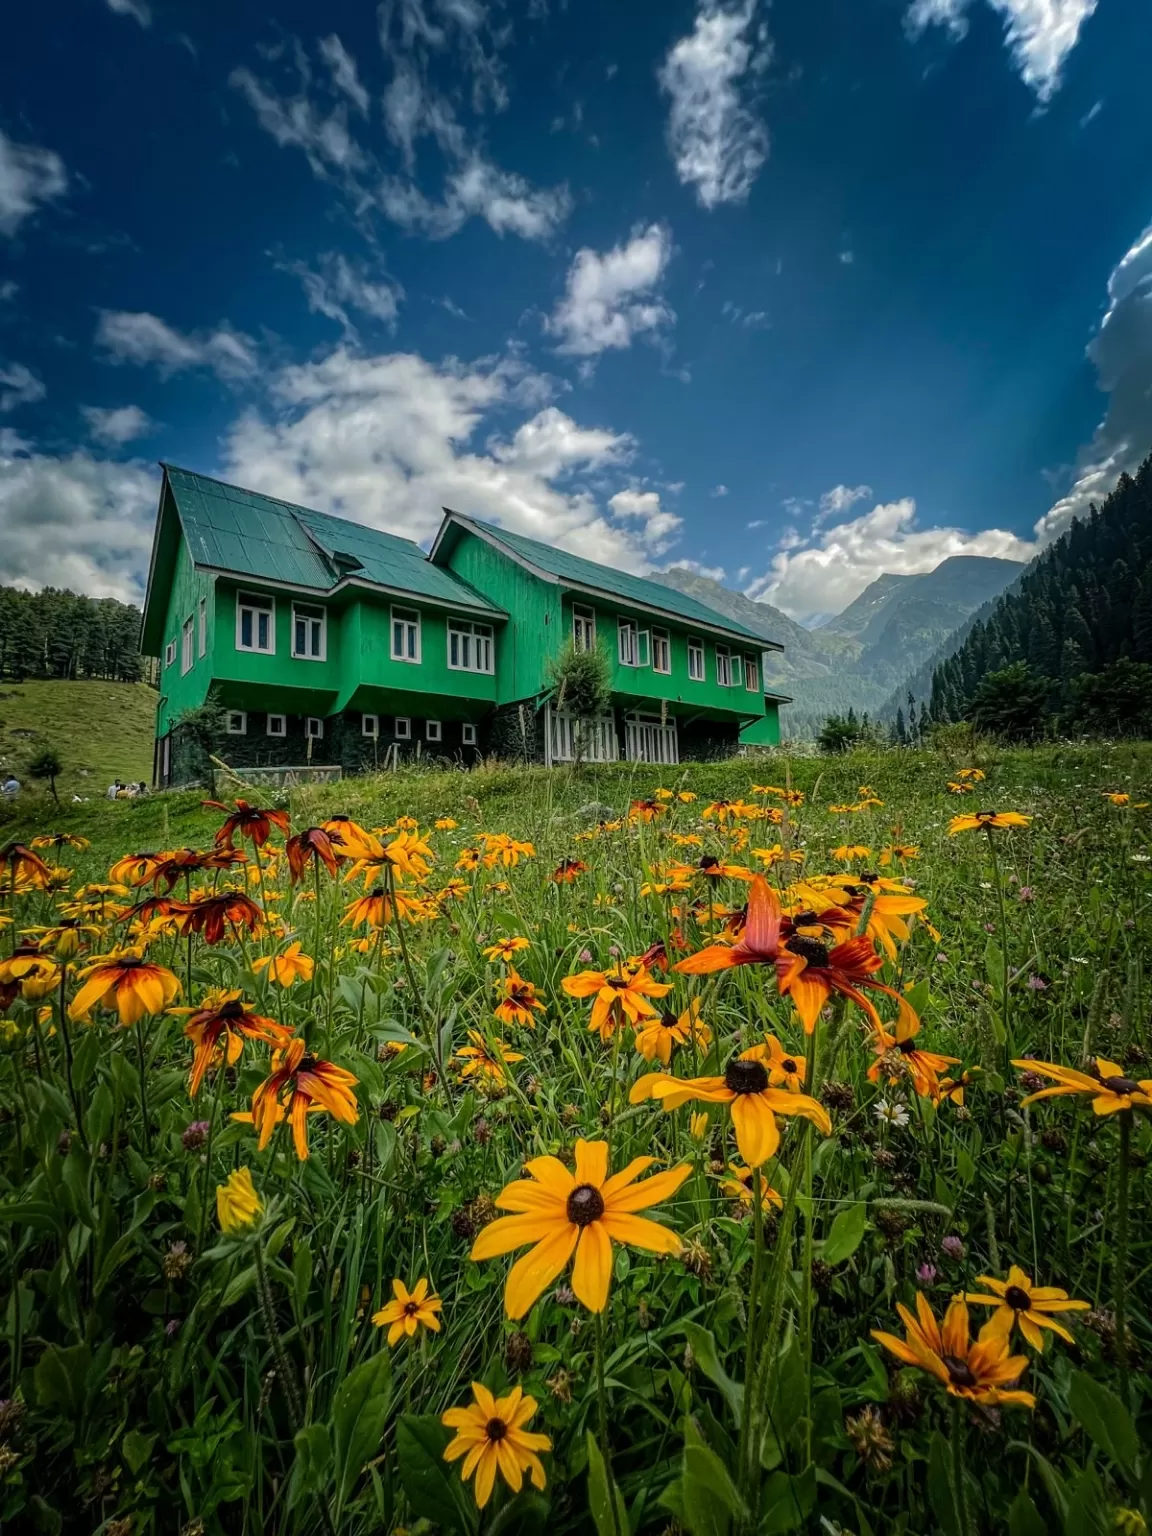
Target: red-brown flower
{"points": [[313, 843], [298, 1084], [212, 916], [220, 1026], [249, 821]]}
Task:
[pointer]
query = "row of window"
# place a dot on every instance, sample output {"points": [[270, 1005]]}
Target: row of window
{"points": [[637, 647], [236, 724]]}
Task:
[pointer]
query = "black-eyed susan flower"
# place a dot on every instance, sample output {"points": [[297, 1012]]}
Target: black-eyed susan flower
{"points": [[58, 840], [759, 944], [568, 871], [988, 820], [1111, 1091], [898, 1055], [65, 937], [182, 863], [289, 966], [518, 1001], [655, 1037], [238, 1206], [312, 845], [500, 848], [646, 810], [479, 1059], [250, 821], [491, 1437], [445, 824], [408, 1311], [980, 1371], [809, 972], [778, 854], [24, 865], [848, 852], [621, 996], [583, 1213], [1020, 1303], [298, 1082], [971, 775], [506, 949], [218, 915], [785, 1068], [29, 972], [739, 1186], [219, 1028], [746, 1088], [126, 982]]}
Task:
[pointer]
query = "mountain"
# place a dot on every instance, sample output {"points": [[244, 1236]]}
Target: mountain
{"points": [[865, 611]]}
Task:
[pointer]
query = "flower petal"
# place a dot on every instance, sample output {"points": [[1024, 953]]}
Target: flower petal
{"points": [[533, 1273], [592, 1271]]}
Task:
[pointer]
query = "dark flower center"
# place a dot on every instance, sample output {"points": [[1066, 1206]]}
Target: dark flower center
{"points": [[668, 1020], [618, 983], [585, 1205], [808, 949], [870, 877], [495, 1429], [805, 919], [985, 815], [959, 1371], [411, 1308], [233, 1009], [1017, 1299], [745, 1076], [375, 892], [906, 1047], [788, 1065], [1121, 1085], [709, 861]]}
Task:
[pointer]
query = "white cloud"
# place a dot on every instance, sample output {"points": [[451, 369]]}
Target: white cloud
{"points": [[1122, 353], [19, 386], [1040, 34], [143, 338], [506, 202], [714, 572], [610, 299], [750, 319], [840, 499], [847, 258], [657, 527], [8, 290], [824, 572], [716, 140], [343, 69], [29, 176], [77, 522], [298, 122], [719, 490], [341, 285], [137, 9], [117, 424]]}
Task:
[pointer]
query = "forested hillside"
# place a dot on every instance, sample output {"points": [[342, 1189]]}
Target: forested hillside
{"points": [[1079, 622], [58, 634]]}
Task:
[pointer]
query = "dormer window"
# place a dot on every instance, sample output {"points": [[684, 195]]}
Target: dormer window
{"points": [[256, 623]]}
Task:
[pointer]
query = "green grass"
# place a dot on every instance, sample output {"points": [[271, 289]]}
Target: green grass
{"points": [[101, 731]]}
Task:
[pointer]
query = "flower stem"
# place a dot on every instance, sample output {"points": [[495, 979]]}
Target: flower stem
{"points": [[143, 1087], [959, 1492], [602, 1418], [747, 1436], [1003, 946], [1121, 1282]]}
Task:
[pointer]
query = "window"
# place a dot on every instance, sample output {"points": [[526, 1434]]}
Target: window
{"points": [[584, 629], [628, 646], [751, 675], [202, 612], [723, 666], [236, 722], [186, 654], [468, 735], [369, 725], [661, 651], [309, 632], [170, 653], [432, 730], [695, 659], [255, 623], [469, 646], [277, 725], [313, 728], [405, 634], [403, 728]]}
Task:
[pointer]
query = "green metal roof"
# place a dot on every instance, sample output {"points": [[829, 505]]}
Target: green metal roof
{"points": [[247, 534], [574, 570]]}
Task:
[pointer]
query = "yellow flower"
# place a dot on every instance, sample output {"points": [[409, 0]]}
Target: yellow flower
{"points": [[483, 1060], [619, 996], [408, 1311], [125, 981], [564, 1214], [238, 1205], [504, 949], [655, 1037], [446, 824], [685, 796], [409, 853], [698, 1125], [491, 1436], [1017, 1300], [849, 851], [973, 774], [987, 819], [1110, 1090], [739, 1186], [288, 966], [982, 1371]]}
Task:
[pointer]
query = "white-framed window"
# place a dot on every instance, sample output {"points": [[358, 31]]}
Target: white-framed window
{"points": [[433, 730], [628, 643], [751, 675], [469, 646], [187, 655], [202, 616], [236, 722], [170, 653], [313, 728], [405, 634], [309, 632], [723, 666], [369, 725], [468, 734], [403, 728], [277, 725], [256, 623], [695, 659], [661, 651], [584, 628]]}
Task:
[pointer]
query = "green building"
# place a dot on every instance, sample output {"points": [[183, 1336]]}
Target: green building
{"points": [[332, 647]]}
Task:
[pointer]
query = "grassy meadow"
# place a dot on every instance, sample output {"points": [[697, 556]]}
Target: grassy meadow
{"points": [[610, 1151], [102, 731]]}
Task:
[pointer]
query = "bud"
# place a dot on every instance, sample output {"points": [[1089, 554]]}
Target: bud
{"points": [[518, 1353]]}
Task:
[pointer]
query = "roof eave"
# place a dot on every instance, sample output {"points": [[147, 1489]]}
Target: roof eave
{"points": [[359, 582], [144, 612]]}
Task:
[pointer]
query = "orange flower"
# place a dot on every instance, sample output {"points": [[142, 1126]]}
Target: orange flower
{"points": [[504, 949], [620, 996], [759, 944], [483, 1060], [656, 1037], [219, 1028], [209, 915], [519, 1003], [923, 1067], [568, 871], [982, 1372], [249, 820], [135, 868], [24, 864], [180, 863], [288, 966], [125, 981], [313, 843], [987, 819], [1110, 1090], [298, 1083], [809, 973]]}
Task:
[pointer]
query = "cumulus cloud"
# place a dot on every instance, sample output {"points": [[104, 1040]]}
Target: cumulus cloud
{"points": [[824, 572], [141, 338], [717, 141], [611, 298], [29, 177], [506, 201], [19, 386], [77, 522], [713, 572], [655, 525], [1040, 34], [341, 285], [117, 424], [137, 9], [719, 490], [840, 499]]}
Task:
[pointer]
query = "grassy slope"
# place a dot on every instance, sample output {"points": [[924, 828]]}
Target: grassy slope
{"points": [[530, 801], [101, 731]]}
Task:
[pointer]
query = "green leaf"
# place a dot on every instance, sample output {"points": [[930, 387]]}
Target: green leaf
{"points": [[239, 1285], [526, 1515], [1087, 1511], [708, 1360], [787, 1501], [359, 1417], [709, 1496], [60, 1377], [604, 1498], [433, 1488], [1024, 1519], [278, 1238], [940, 1489], [846, 1234], [136, 1449], [965, 1164], [1105, 1419], [313, 1461], [919, 996]]}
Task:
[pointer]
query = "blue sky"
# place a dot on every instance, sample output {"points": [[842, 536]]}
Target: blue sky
{"points": [[797, 294]]}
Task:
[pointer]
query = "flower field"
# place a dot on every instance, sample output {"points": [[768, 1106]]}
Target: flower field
{"points": [[759, 1147]]}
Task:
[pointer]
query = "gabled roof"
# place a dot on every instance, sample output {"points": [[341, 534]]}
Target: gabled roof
{"points": [[580, 575], [244, 533]]}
